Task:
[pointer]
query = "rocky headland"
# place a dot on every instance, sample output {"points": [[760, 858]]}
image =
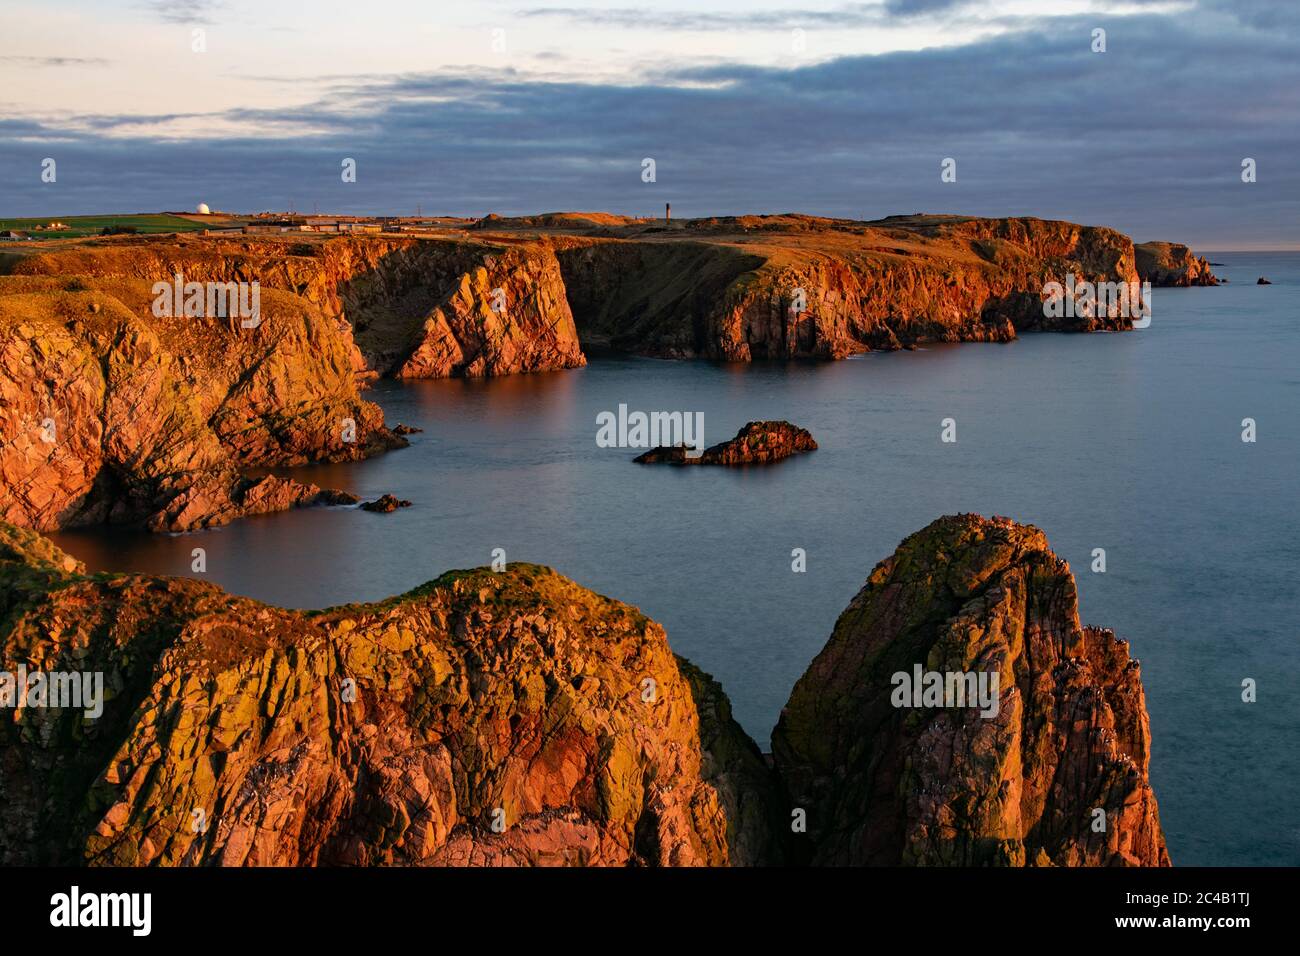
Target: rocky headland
{"points": [[112, 414], [757, 443], [109, 415], [516, 718], [518, 295], [485, 718]]}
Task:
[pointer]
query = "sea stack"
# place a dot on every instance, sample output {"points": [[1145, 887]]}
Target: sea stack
{"points": [[1057, 777]]}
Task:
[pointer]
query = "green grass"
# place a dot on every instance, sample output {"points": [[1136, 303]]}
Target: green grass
{"points": [[80, 226]]}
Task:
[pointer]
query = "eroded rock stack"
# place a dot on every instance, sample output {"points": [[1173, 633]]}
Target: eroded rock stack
{"points": [[1057, 777]]}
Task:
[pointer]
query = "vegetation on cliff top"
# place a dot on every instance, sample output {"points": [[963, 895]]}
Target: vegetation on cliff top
{"points": [[514, 717]]}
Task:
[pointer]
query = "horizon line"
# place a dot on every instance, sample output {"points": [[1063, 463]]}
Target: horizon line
{"points": [[1206, 247]]}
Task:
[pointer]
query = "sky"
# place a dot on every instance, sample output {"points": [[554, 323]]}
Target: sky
{"points": [[760, 106]]}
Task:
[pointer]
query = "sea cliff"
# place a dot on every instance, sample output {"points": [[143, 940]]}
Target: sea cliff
{"points": [[516, 718], [115, 412]]}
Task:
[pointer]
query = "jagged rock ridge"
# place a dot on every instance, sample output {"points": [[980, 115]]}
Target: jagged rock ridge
{"points": [[482, 719], [517, 718]]}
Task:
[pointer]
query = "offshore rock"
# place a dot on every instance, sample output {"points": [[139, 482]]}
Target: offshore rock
{"points": [[386, 504], [757, 443]]}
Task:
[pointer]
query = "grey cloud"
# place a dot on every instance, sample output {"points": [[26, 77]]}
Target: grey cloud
{"points": [[848, 15], [184, 11], [1147, 137], [907, 8], [843, 16], [55, 60]]}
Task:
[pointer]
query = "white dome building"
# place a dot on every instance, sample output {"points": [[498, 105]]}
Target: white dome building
{"points": [[203, 209]]}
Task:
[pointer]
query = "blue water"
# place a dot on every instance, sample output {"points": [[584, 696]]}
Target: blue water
{"points": [[1129, 442]]}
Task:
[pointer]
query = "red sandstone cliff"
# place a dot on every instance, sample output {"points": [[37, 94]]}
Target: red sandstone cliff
{"points": [[108, 414], [796, 286], [417, 308], [157, 419], [516, 295]]}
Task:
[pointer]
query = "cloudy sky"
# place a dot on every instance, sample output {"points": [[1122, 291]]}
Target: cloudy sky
{"points": [[844, 109]]}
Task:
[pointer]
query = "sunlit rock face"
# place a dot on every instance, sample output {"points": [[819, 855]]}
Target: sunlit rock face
{"points": [[483, 719], [1054, 774]]}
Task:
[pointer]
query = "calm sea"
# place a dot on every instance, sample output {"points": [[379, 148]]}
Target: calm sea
{"points": [[1129, 442]]}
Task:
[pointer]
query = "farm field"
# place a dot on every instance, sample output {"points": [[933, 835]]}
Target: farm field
{"points": [[81, 226]]}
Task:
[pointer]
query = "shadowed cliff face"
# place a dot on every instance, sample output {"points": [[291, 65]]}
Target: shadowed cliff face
{"points": [[234, 733], [888, 784], [398, 732]]}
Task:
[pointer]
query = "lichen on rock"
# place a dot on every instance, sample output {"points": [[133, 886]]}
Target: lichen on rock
{"points": [[485, 718], [1057, 777]]}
